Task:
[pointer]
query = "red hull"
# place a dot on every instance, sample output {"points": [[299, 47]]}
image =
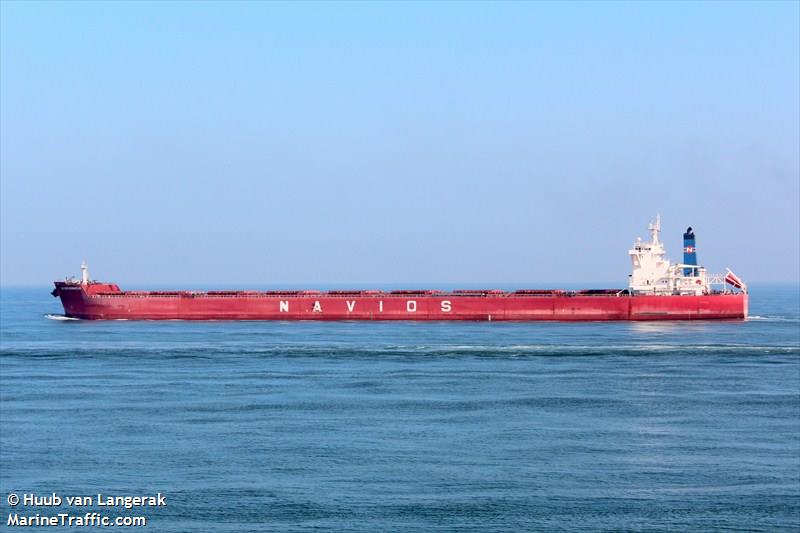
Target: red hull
{"points": [[106, 301]]}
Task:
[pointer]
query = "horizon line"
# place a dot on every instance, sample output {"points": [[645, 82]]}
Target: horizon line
{"points": [[351, 283]]}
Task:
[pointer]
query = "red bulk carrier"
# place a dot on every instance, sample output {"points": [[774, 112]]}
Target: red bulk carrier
{"points": [[658, 290]]}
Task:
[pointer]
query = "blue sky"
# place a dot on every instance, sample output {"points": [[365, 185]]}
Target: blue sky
{"points": [[258, 143]]}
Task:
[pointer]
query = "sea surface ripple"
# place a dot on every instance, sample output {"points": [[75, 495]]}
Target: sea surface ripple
{"points": [[259, 426]]}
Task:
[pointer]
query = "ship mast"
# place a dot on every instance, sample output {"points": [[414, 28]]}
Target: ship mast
{"points": [[84, 273], [655, 229]]}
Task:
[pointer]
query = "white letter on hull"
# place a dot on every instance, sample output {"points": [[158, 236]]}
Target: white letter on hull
{"points": [[350, 305], [411, 306], [317, 307], [284, 306], [380, 306], [446, 306]]}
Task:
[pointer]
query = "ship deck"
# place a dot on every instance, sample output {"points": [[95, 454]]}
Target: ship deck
{"points": [[470, 293]]}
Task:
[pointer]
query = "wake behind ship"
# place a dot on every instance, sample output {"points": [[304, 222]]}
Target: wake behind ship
{"points": [[657, 290]]}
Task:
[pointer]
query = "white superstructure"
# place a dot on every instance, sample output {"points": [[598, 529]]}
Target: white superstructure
{"points": [[653, 273]]}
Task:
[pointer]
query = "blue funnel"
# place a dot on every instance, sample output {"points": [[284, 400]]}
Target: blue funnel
{"points": [[689, 253]]}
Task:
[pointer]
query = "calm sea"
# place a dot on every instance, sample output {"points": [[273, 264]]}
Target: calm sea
{"points": [[686, 426]]}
